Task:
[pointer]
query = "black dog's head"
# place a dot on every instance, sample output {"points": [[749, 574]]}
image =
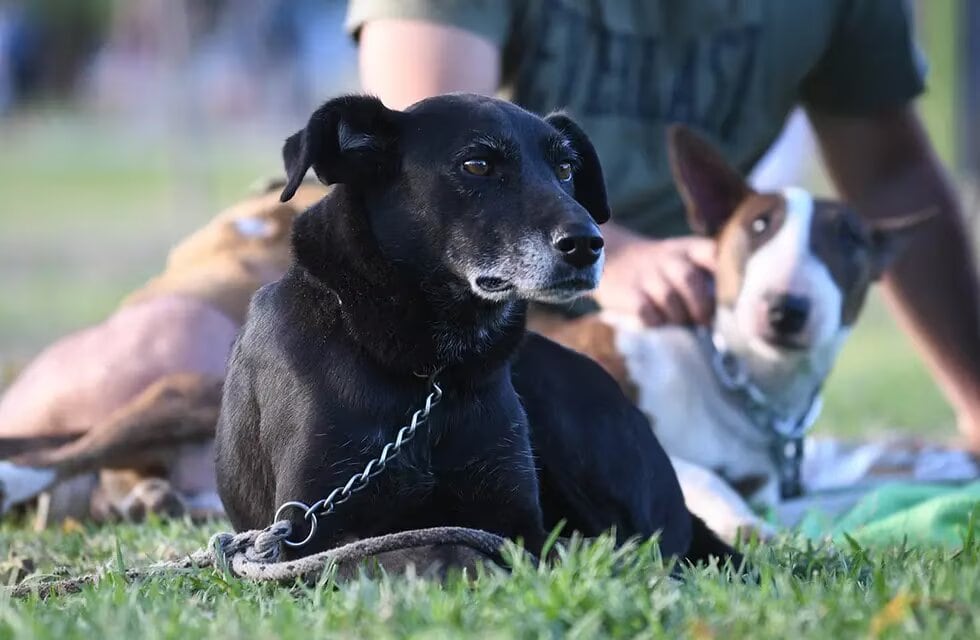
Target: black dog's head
{"points": [[467, 187]]}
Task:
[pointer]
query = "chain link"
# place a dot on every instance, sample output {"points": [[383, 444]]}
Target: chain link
{"points": [[371, 470], [735, 378]]}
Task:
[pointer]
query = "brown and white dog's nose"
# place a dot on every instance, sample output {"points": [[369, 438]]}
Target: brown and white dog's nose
{"points": [[580, 244], [787, 313]]}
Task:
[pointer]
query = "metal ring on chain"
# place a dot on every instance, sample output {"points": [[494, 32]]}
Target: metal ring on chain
{"points": [[372, 469], [307, 515]]}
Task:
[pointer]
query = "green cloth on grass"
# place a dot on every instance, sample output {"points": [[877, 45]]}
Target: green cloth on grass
{"points": [[921, 513]]}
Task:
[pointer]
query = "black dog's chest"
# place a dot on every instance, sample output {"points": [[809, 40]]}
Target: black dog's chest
{"points": [[463, 438], [470, 451]]}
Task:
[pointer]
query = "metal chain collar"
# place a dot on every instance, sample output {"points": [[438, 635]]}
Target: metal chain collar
{"points": [[784, 433], [372, 469]]}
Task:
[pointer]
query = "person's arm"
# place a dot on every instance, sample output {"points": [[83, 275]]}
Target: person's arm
{"points": [[405, 60], [885, 166]]}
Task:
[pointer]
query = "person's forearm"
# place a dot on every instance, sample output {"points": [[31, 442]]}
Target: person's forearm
{"points": [[934, 282], [933, 286]]}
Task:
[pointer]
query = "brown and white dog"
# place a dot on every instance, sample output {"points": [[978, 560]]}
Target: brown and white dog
{"points": [[730, 403]]}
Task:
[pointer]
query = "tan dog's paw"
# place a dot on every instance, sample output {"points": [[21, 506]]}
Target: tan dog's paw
{"points": [[152, 495]]}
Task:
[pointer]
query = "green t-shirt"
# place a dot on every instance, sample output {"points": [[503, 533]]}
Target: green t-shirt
{"points": [[734, 69]]}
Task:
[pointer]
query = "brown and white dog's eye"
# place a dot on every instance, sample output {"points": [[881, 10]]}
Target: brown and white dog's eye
{"points": [[564, 171], [760, 224], [477, 167]]}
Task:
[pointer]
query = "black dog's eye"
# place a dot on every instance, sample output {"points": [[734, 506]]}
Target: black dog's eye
{"points": [[477, 167], [760, 224], [564, 171]]}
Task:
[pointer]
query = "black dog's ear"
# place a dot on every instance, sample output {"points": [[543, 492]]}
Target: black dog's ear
{"points": [[347, 140], [590, 186], [710, 188]]}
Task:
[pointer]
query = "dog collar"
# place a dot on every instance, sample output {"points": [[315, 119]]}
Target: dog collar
{"points": [[784, 433]]}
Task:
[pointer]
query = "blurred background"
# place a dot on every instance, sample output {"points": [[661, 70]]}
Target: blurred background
{"points": [[126, 124]]}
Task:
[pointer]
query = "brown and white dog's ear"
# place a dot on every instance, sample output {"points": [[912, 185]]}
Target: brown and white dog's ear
{"points": [[889, 236], [710, 188], [348, 140]]}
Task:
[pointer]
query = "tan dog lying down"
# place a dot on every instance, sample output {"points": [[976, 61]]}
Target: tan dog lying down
{"points": [[139, 393]]}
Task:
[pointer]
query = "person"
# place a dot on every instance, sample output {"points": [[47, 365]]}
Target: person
{"points": [[735, 69]]}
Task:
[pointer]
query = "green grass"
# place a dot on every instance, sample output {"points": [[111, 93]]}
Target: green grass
{"points": [[594, 591]]}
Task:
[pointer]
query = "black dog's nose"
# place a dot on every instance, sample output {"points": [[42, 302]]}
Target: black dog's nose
{"points": [[788, 313], [580, 245]]}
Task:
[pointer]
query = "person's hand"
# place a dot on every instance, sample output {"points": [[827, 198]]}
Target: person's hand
{"points": [[661, 281]]}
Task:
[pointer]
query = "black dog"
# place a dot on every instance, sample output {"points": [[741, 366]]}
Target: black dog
{"points": [[447, 219]]}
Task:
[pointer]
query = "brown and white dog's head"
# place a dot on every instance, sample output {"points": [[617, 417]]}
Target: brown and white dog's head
{"points": [[792, 270]]}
